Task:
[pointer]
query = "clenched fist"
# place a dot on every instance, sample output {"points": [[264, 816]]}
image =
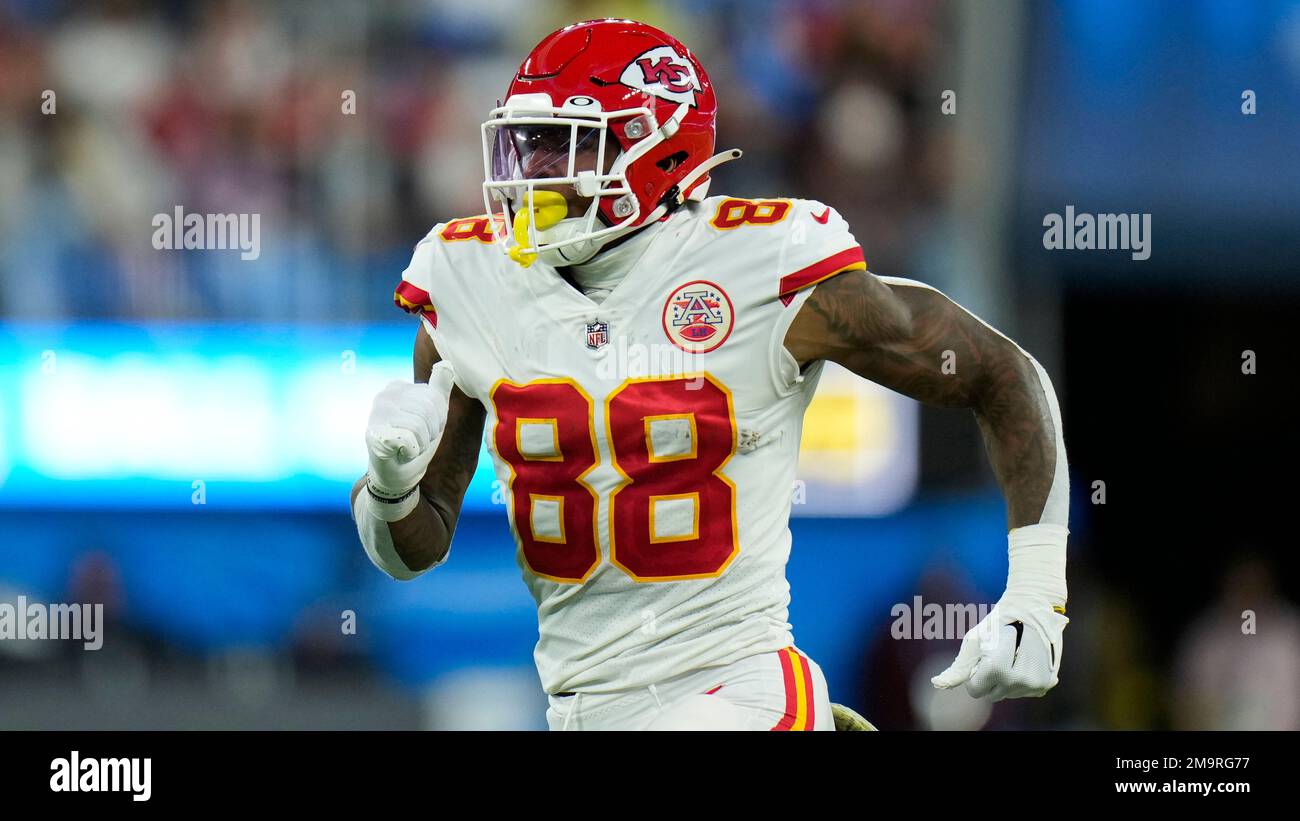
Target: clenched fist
{"points": [[1016, 650], [1013, 653], [406, 424]]}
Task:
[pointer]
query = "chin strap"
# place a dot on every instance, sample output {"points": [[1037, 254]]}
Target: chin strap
{"points": [[675, 197]]}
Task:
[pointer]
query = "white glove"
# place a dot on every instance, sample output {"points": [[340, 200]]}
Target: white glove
{"points": [[406, 424], [1000, 660]]}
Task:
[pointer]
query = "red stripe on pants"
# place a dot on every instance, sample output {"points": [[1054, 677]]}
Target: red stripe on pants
{"points": [[808, 691], [791, 694]]}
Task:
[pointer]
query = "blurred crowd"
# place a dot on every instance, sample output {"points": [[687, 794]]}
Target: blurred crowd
{"points": [[351, 128]]}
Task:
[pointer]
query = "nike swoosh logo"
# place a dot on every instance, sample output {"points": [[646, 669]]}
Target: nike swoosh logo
{"points": [[825, 215]]}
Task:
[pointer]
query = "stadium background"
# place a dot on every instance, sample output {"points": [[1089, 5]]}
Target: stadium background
{"points": [[136, 382]]}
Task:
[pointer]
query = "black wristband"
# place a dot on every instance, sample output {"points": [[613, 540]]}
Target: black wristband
{"points": [[389, 500]]}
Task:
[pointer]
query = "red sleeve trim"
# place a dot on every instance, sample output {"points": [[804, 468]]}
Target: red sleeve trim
{"points": [[850, 259], [415, 300]]}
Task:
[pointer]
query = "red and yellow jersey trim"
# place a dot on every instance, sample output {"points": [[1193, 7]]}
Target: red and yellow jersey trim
{"points": [[850, 259], [800, 700], [415, 300]]}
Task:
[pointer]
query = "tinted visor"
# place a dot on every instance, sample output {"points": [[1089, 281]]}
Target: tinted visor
{"points": [[536, 151]]}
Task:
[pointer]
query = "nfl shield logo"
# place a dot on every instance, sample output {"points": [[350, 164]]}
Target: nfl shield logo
{"points": [[597, 335]]}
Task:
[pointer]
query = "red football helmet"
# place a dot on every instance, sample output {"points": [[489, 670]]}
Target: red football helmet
{"points": [[579, 87]]}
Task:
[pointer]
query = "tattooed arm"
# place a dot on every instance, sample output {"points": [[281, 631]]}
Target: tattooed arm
{"points": [[899, 334], [422, 538], [902, 334]]}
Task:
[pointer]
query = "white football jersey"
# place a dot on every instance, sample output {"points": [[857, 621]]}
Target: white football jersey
{"points": [[647, 444]]}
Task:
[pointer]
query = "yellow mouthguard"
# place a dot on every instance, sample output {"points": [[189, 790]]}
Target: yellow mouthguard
{"points": [[544, 209]]}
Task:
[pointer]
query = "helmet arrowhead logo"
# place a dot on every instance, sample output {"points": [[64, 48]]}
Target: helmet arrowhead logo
{"points": [[663, 72]]}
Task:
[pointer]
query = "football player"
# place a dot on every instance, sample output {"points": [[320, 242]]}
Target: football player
{"points": [[639, 355]]}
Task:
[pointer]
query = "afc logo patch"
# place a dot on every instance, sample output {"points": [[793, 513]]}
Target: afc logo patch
{"points": [[597, 335], [698, 316]]}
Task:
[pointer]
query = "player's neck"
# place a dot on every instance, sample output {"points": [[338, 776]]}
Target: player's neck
{"points": [[603, 272]]}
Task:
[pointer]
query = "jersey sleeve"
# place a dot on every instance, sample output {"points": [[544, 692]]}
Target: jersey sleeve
{"points": [[433, 287], [817, 245], [413, 292]]}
